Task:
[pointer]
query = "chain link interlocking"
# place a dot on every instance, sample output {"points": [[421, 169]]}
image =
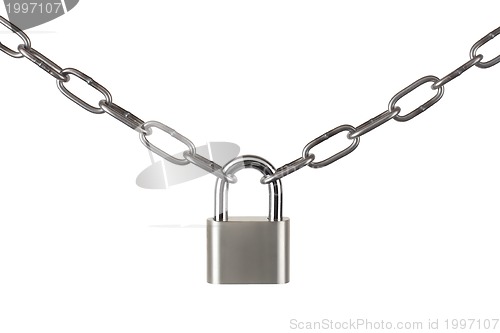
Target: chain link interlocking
{"points": [[20, 33], [106, 105], [190, 156], [393, 111]]}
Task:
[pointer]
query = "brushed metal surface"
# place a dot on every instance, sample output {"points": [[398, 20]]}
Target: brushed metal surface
{"points": [[248, 250]]}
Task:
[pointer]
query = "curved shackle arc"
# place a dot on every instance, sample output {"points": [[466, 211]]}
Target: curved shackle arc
{"points": [[248, 162]]}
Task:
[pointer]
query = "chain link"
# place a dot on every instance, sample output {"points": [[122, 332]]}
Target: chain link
{"points": [[17, 31], [374, 123], [43, 62], [326, 136], [156, 124], [481, 42], [457, 72], [123, 115], [287, 169], [90, 82], [190, 156], [409, 89], [209, 166]]}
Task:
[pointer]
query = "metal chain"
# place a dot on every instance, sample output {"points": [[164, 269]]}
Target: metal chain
{"points": [[190, 156], [393, 112], [106, 105]]}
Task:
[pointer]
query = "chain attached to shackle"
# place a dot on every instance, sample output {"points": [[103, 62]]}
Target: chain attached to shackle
{"points": [[190, 156]]}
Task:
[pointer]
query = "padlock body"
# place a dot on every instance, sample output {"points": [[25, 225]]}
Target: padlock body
{"points": [[248, 250]]}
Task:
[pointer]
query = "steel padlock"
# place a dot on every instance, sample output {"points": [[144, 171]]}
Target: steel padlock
{"points": [[248, 250]]}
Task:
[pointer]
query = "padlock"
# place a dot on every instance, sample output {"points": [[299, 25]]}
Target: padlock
{"points": [[248, 250]]}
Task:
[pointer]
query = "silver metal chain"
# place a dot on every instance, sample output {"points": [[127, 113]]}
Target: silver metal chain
{"points": [[106, 105], [393, 112], [190, 156]]}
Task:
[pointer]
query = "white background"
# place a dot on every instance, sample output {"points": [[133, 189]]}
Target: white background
{"points": [[404, 228]]}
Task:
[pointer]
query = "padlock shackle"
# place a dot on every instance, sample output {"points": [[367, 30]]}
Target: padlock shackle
{"points": [[248, 162]]}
